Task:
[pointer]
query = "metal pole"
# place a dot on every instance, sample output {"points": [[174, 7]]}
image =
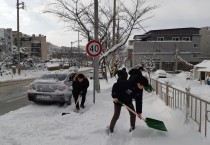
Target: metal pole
{"points": [[78, 48], [114, 23], [78, 42], [176, 60], [113, 31], [96, 59], [18, 37]]}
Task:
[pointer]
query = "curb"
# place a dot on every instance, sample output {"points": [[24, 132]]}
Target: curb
{"points": [[14, 82]]}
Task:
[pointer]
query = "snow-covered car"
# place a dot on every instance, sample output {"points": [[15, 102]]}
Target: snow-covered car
{"points": [[186, 74], [160, 73], [53, 87], [100, 75]]}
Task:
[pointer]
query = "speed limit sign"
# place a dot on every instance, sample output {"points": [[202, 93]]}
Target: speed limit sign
{"points": [[94, 48]]}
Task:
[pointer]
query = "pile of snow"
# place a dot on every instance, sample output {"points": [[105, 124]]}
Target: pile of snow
{"points": [[44, 124], [24, 74]]}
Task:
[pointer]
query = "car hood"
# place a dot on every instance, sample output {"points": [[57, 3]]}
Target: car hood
{"points": [[51, 85], [47, 81]]}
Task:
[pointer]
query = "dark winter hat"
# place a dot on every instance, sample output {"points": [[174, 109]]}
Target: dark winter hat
{"points": [[81, 76], [141, 68], [124, 69], [142, 80]]}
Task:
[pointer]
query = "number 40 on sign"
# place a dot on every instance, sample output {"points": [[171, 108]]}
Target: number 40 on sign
{"points": [[94, 48]]}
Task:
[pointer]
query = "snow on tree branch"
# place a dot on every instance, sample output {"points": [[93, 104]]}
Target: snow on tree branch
{"points": [[182, 60]]}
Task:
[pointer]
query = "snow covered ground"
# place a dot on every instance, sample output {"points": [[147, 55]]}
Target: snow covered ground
{"points": [[44, 124], [30, 74]]}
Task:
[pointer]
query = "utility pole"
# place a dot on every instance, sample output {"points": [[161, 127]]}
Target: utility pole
{"points": [[78, 49], [18, 32], [114, 23], [113, 34], [78, 42], [96, 59], [176, 60]]}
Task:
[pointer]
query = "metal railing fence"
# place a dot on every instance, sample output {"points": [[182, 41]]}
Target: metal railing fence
{"points": [[193, 106]]}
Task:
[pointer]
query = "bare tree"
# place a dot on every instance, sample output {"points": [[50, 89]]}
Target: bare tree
{"points": [[148, 64], [80, 16]]}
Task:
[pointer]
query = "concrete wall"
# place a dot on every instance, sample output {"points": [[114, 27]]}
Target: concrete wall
{"points": [[205, 41]]}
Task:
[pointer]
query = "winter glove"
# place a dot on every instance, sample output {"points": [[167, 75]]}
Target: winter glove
{"points": [[139, 116], [115, 100]]}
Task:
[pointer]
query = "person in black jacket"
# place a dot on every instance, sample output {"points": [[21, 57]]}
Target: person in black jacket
{"points": [[135, 72], [122, 74], [123, 91], [80, 85]]}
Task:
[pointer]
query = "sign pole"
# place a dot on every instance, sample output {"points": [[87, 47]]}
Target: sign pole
{"points": [[94, 48], [96, 59]]}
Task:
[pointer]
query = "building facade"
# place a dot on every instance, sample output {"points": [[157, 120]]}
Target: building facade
{"points": [[5, 42], [205, 42], [165, 46], [34, 45]]}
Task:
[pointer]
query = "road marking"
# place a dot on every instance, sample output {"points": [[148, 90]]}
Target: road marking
{"points": [[15, 99]]}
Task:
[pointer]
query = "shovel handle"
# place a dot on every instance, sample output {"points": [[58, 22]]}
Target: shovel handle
{"points": [[131, 110]]}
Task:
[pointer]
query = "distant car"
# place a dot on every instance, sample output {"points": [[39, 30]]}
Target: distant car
{"points": [[100, 75], [53, 87], [187, 75], [160, 73]]}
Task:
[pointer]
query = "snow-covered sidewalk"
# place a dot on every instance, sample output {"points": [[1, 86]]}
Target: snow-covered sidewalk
{"points": [[44, 125]]}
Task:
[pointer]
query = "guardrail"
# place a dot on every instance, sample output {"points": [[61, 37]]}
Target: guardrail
{"points": [[194, 107]]}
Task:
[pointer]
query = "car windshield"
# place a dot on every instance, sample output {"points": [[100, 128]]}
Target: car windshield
{"points": [[59, 77]]}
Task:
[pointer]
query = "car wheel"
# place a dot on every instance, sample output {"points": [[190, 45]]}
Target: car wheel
{"points": [[61, 103], [69, 103], [36, 102]]}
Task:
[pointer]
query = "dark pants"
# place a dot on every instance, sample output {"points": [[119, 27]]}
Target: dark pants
{"points": [[117, 109], [83, 95], [84, 92]]}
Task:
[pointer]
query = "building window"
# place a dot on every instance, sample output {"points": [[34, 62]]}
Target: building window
{"points": [[160, 38], [195, 55], [175, 38], [196, 45], [185, 38], [157, 50]]}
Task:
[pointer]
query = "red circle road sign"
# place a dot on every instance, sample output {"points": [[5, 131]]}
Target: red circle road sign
{"points": [[94, 48]]}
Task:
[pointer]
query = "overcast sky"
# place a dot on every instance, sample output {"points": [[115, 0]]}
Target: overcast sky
{"points": [[169, 14]]}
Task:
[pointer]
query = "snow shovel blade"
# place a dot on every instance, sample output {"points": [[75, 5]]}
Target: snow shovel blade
{"points": [[148, 88], [156, 124]]}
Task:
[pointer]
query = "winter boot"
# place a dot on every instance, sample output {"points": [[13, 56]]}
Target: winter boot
{"points": [[76, 110], [108, 130], [131, 129]]}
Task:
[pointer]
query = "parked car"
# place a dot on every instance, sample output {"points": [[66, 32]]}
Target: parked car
{"points": [[160, 73], [100, 75], [188, 75], [52, 87]]}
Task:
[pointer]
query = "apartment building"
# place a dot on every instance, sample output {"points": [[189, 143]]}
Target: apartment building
{"points": [[34, 45], [5, 41], [165, 45], [205, 42]]}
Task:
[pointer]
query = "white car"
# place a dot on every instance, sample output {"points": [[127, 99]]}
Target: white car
{"points": [[100, 74], [160, 73], [52, 87]]}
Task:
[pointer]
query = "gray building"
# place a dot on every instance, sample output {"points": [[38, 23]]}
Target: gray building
{"points": [[205, 42], [164, 45], [5, 42]]}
